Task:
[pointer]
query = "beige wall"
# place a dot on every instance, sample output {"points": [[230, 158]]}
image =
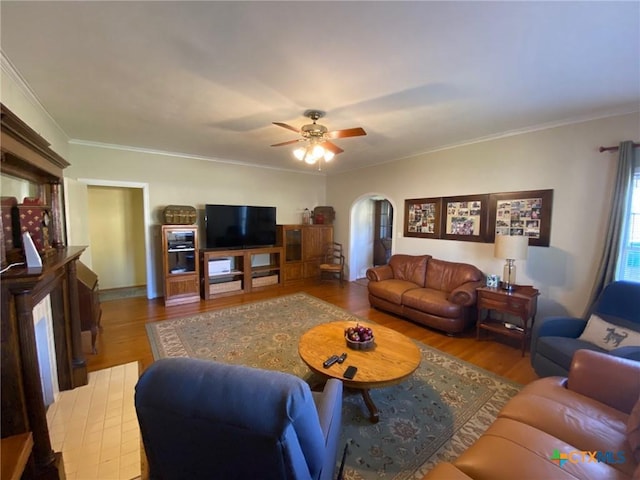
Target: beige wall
{"points": [[116, 232], [175, 180], [17, 97], [565, 159]]}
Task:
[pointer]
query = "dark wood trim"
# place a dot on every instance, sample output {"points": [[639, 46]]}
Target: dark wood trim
{"points": [[437, 227], [545, 213], [484, 209], [615, 149], [23, 288]]}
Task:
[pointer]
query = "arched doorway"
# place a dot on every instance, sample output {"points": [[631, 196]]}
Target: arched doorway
{"points": [[372, 228]]}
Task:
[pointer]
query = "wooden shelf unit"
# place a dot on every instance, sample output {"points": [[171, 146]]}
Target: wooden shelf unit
{"points": [[304, 247], [244, 275], [180, 264]]}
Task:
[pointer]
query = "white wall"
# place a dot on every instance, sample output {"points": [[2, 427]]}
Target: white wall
{"points": [[565, 159]]}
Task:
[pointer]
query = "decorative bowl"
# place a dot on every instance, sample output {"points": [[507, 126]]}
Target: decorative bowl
{"points": [[359, 337], [368, 345]]}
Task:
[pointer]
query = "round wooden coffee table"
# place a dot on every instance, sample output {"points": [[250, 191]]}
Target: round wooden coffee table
{"points": [[393, 358]]}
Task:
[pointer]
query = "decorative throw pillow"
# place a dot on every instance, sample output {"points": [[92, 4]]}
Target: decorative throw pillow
{"points": [[633, 431], [608, 335]]}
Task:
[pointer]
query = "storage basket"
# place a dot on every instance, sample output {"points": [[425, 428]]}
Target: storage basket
{"points": [[264, 281], [224, 287]]}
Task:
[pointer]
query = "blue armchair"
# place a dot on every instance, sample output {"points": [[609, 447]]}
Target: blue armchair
{"points": [[555, 339], [209, 420]]}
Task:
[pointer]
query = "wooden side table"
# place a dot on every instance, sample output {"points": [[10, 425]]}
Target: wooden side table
{"points": [[522, 303]]}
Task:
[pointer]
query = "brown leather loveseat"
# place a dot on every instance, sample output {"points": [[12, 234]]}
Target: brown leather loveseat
{"points": [[435, 293], [586, 426]]}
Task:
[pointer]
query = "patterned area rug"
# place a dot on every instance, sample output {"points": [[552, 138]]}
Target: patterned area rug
{"points": [[433, 416]]}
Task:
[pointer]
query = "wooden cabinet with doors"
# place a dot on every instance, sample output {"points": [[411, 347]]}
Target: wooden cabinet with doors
{"points": [[290, 237], [303, 247], [180, 264]]}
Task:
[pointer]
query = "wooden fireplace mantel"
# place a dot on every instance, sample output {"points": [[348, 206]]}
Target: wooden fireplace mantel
{"points": [[23, 407], [27, 156]]}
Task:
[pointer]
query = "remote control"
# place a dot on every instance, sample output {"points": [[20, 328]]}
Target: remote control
{"points": [[342, 357], [330, 361]]}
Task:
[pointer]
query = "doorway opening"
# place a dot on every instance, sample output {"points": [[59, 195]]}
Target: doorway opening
{"points": [[372, 227]]}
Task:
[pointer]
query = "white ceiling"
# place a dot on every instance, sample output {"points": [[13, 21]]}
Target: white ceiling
{"points": [[208, 78]]}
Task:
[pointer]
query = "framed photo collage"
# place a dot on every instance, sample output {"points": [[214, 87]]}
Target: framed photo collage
{"points": [[479, 218]]}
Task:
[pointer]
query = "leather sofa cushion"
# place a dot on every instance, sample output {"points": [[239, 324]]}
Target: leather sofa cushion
{"points": [[560, 350], [580, 421], [447, 276], [447, 471], [391, 290], [514, 450], [411, 268], [433, 301]]}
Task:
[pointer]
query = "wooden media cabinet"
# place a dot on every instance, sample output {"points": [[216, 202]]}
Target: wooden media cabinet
{"points": [[248, 270]]}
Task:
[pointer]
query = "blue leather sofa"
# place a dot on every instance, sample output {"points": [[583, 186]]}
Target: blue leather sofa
{"points": [[201, 419], [554, 340]]}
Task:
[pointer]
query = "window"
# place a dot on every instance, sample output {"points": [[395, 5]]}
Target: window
{"points": [[629, 260]]}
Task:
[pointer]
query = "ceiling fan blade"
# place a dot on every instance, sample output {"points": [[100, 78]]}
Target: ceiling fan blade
{"points": [[288, 127], [288, 143], [332, 147], [347, 132]]}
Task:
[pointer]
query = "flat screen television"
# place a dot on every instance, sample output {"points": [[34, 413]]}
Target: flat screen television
{"points": [[240, 226]]}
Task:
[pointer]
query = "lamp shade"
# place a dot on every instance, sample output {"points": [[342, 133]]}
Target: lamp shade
{"points": [[513, 247]]}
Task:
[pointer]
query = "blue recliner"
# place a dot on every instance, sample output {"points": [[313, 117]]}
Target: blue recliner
{"points": [[201, 419], [555, 339]]}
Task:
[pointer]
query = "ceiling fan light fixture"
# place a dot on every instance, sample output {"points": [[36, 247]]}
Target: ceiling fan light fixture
{"points": [[300, 153], [317, 152], [309, 158], [319, 146]]}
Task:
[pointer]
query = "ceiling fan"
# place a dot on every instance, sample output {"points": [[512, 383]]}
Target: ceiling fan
{"points": [[318, 137]]}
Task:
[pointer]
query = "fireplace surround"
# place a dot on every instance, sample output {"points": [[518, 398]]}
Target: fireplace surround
{"points": [[26, 155]]}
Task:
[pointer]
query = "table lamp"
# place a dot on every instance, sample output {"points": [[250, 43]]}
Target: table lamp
{"points": [[511, 248]]}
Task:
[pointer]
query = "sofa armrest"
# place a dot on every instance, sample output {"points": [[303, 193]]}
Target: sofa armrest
{"points": [[569, 327], [329, 406], [559, 327], [631, 352], [611, 380], [377, 274], [465, 294], [327, 403]]}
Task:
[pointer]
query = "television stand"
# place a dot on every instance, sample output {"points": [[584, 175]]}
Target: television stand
{"points": [[251, 269]]}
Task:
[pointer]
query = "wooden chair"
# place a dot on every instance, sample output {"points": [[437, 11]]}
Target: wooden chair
{"points": [[333, 261]]}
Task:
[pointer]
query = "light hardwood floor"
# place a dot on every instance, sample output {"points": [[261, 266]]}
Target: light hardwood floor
{"points": [[123, 337]]}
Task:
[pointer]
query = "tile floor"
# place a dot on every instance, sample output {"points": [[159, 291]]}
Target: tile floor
{"points": [[96, 428]]}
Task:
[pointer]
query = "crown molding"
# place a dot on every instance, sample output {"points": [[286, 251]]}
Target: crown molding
{"points": [[150, 151], [12, 72]]}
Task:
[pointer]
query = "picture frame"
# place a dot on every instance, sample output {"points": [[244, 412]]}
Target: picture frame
{"points": [[465, 218], [522, 213], [422, 217]]}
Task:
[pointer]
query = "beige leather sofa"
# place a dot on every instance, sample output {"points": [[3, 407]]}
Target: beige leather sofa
{"points": [[596, 409], [433, 292]]}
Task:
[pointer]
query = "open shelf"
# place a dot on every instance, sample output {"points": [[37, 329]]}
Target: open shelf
{"points": [[248, 269], [180, 264]]}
